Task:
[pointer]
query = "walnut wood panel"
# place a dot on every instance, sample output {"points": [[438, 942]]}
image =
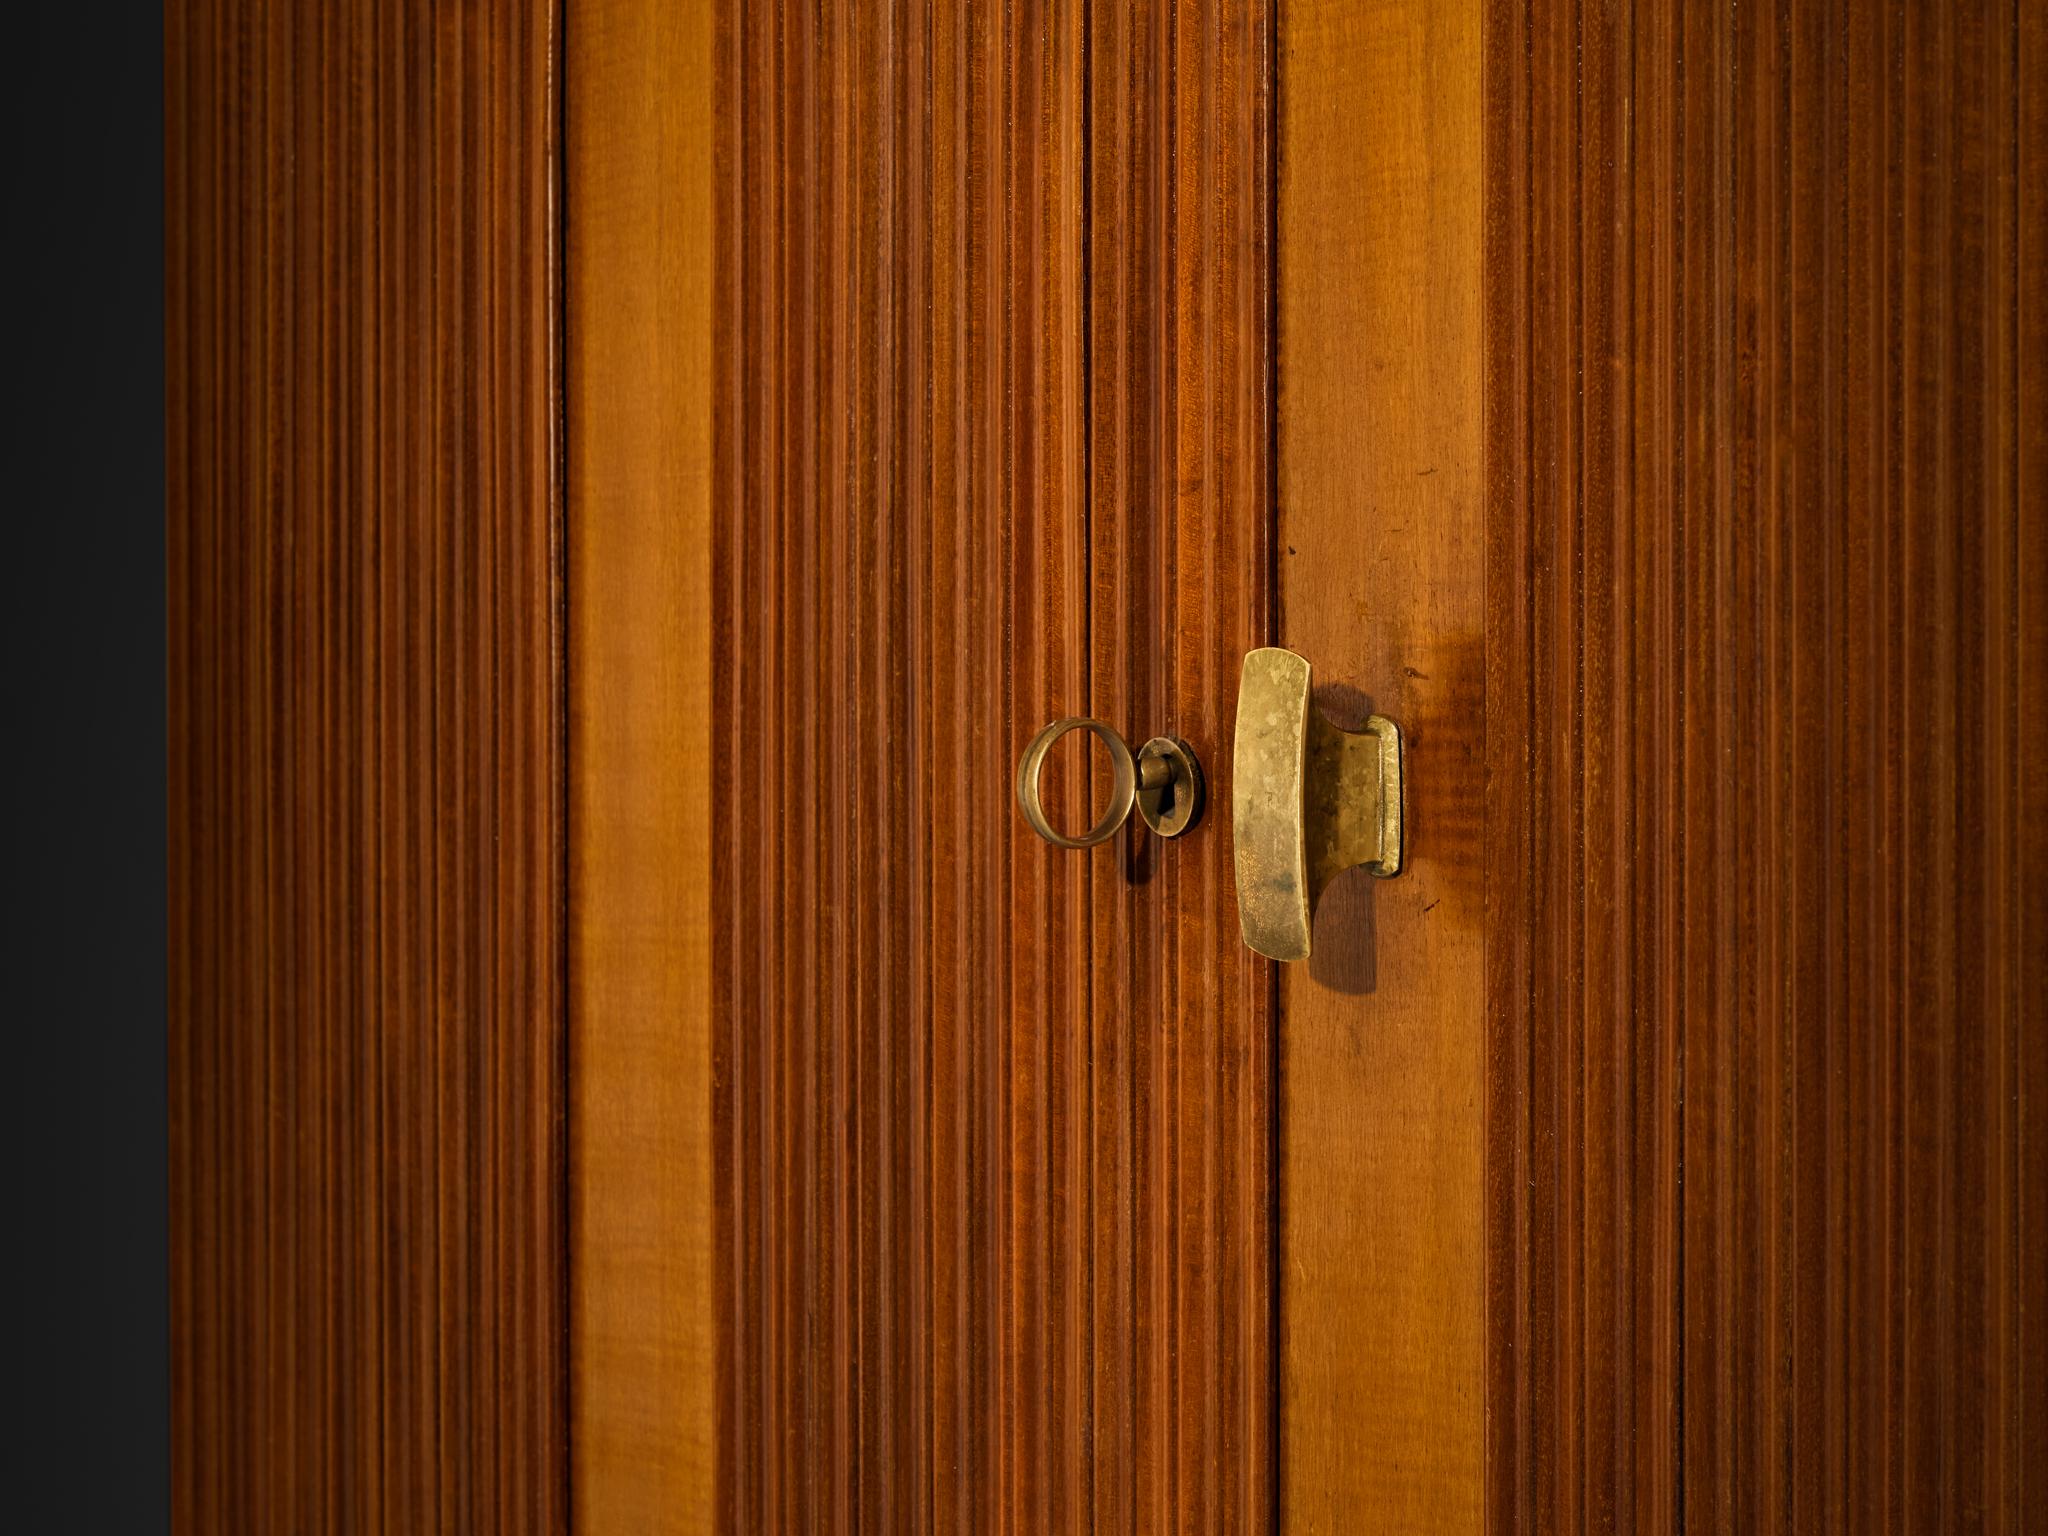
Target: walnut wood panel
{"points": [[638, 174], [1766, 819], [365, 769], [1381, 588], [991, 1119]]}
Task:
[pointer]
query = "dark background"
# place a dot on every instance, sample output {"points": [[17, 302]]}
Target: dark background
{"points": [[87, 882]]}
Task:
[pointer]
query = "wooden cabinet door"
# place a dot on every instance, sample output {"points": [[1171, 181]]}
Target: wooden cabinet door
{"points": [[981, 438], [640, 474], [1628, 405], [1663, 1150]]}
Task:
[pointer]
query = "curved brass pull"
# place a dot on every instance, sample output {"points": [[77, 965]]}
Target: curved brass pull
{"points": [[1164, 782], [1309, 801]]}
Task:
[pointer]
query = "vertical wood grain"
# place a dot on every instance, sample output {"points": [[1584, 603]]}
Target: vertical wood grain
{"points": [[991, 417], [1766, 631], [365, 768], [902, 999], [1381, 588], [1181, 154], [638, 282]]}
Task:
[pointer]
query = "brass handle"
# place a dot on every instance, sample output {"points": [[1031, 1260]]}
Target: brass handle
{"points": [[1308, 801], [1164, 782]]}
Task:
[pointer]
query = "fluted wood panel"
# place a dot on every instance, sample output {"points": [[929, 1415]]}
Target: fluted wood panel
{"points": [[1181, 581], [1767, 636], [992, 1119], [365, 768], [899, 579]]}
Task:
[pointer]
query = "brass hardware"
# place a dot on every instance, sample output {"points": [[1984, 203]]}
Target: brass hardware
{"points": [[1170, 787], [1122, 786], [1164, 782], [1309, 801]]}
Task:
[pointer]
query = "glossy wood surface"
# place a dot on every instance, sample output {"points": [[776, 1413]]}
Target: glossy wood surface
{"points": [[1382, 589], [990, 445], [1767, 737], [365, 769], [638, 169]]}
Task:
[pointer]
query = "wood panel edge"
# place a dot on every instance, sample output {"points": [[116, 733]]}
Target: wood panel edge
{"points": [[1381, 576], [638, 237]]}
